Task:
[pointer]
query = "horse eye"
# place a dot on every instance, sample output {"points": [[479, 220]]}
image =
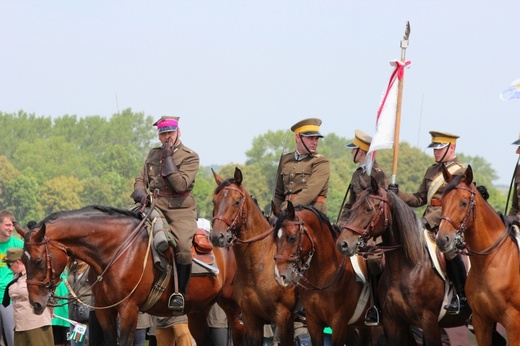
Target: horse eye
{"points": [[291, 239], [237, 203], [463, 203], [368, 209], [39, 262]]}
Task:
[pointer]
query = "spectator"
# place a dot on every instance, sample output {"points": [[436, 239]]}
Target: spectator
{"points": [[60, 327]]}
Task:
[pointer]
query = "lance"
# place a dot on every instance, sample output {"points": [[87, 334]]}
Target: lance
{"points": [[400, 81]]}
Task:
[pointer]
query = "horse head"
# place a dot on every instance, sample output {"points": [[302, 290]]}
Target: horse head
{"points": [[228, 209], [458, 210], [368, 218], [294, 246], [44, 261]]}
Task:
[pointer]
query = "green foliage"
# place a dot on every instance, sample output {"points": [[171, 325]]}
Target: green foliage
{"points": [[51, 164]]}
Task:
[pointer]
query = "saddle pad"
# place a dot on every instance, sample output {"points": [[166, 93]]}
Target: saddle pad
{"points": [[198, 270], [365, 293]]}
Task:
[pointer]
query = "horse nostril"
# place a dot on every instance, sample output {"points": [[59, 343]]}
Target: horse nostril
{"points": [[343, 246]]}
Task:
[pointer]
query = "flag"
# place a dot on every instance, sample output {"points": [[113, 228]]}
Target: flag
{"points": [[79, 331], [385, 121], [512, 92]]}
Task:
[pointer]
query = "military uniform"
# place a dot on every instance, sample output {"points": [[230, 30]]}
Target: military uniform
{"points": [[515, 206], [172, 169], [303, 179]]}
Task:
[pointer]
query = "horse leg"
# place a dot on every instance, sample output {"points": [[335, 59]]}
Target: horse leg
{"points": [[232, 311], [397, 332], [127, 323], [107, 319], [483, 330], [198, 322], [254, 327], [285, 327], [431, 332], [316, 331]]}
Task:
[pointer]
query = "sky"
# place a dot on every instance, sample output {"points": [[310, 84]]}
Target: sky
{"points": [[234, 70]]}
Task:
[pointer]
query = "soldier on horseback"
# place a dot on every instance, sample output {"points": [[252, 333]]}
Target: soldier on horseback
{"points": [[430, 193], [515, 206], [171, 168], [360, 179]]}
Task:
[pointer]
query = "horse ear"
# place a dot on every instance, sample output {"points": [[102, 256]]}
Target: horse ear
{"points": [[468, 175], [373, 185], [217, 177], [276, 210], [290, 211], [40, 235], [238, 176], [446, 174], [20, 230]]}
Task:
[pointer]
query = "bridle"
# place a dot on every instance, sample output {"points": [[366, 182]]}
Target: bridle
{"points": [[50, 276], [301, 265], [237, 221], [365, 233], [460, 243]]}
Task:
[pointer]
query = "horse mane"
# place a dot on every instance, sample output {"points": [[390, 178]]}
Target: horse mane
{"points": [[224, 184], [407, 225], [334, 230], [103, 209]]}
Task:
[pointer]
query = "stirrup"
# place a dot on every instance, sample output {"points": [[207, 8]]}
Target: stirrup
{"points": [[372, 317], [176, 303], [453, 308], [469, 322]]}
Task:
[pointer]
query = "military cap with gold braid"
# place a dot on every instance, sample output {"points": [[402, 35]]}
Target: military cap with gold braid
{"points": [[167, 124], [442, 139], [308, 127], [361, 140], [517, 142]]}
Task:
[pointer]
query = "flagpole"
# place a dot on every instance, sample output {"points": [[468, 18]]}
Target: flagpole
{"points": [[404, 45]]}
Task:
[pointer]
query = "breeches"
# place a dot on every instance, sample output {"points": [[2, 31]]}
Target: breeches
{"points": [[183, 230]]}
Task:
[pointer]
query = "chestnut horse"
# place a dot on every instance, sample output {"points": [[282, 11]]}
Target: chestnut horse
{"points": [[410, 291], [237, 220], [118, 251], [307, 257], [469, 224]]}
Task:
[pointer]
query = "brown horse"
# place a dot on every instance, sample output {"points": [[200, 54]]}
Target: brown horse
{"points": [[307, 257], [471, 225], [118, 252], [239, 221], [410, 291]]}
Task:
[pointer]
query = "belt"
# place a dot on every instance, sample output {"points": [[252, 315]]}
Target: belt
{"points": [[319, 199], [435, 202], [167, 193]]}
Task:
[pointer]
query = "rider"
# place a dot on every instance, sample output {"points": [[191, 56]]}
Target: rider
{"points": [[303, 175], [430, 193], [515, 207], [171, 168], [360, 179]]}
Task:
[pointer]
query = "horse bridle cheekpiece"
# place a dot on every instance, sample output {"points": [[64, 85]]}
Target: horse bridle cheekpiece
{"points": [[366, 233], [240, 214], [50, 273]]}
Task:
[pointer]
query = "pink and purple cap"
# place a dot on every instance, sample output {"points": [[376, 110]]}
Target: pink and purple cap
{"points": [[167, 124]]}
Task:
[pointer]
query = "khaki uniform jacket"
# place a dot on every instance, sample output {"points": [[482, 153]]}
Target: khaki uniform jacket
{"points": [[432, 213], [306, 179], [515, 207], [178, 206], [357, 183]]}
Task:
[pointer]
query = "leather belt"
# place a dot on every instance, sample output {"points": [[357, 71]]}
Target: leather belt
{"points": [[167, 193], [319, 199], [435, 202]]}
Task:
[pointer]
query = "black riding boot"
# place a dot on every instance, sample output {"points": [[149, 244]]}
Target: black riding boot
{"points": [[373, 314], [457, 274], [176, 301]]}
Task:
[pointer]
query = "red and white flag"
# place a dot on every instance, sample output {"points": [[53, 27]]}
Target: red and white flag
{"points": [[385, 121]]}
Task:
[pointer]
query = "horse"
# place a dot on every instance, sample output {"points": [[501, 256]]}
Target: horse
{"points": [[307, 257], [117, 250], [411, 292], [238, 221], [469, 224]]}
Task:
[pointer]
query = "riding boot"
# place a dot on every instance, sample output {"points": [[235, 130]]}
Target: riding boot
{"points": [[373, 314], [176, 301], [457, 274]]}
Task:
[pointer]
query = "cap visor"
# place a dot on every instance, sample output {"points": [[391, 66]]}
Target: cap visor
{"points": [[311, 134], [351, 146], [517, 142], [167, 129], [438, 145]]}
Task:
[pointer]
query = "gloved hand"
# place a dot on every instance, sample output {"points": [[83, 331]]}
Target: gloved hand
{"points": [[140, 196], [394, 188], [167, 165], [425, 224], [483, 191]]}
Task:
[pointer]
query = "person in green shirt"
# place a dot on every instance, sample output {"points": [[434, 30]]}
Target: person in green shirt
{"points": [[7, 240]]}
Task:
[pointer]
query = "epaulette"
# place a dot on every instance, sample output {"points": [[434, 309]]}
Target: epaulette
{"points": [[186, 149]]}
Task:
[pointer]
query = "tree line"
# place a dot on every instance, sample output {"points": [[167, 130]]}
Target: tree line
{"points": [[62, 163]]}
